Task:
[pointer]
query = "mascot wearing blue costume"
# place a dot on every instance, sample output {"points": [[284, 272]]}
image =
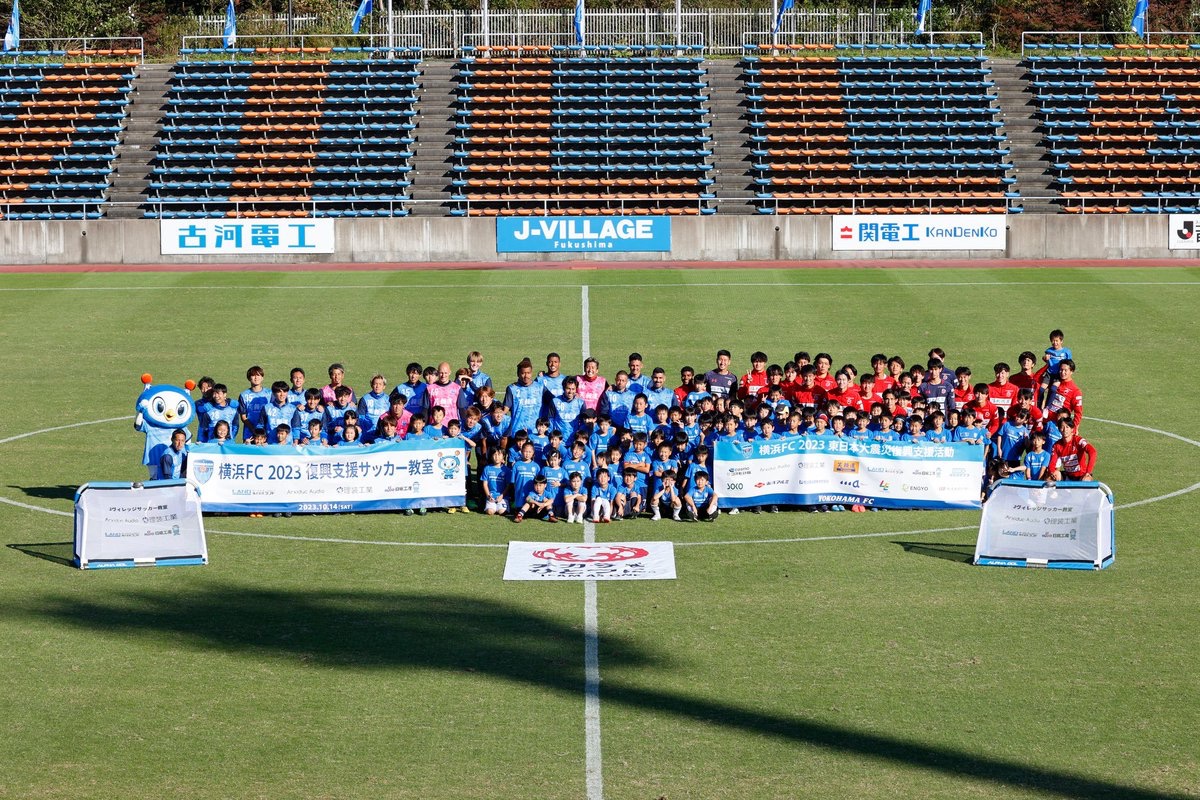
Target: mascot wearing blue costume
{"points": [[161, 410]]}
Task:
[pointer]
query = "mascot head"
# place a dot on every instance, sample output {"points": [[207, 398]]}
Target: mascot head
{"points": [[166, 406]]}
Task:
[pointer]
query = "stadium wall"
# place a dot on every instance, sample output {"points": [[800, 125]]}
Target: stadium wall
{"points": [[714, 238]]}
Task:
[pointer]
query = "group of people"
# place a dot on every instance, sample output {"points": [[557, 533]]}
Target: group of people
{"points": [[583, 447]]}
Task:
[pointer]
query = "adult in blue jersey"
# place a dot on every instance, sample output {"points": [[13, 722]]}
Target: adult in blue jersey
{"points": [[296, 390], [617, 402], [552, 379], [414, 389], [217, 410], [279, 411], [657, 393], [566, 408], [251, 402], [523, 399], [172, 465]]}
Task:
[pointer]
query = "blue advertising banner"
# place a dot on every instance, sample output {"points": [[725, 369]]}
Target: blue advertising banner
{"points": [[385, 476], [566, 234], [826, 470]]}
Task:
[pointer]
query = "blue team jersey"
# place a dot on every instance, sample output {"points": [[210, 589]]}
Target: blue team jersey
{"points": [[480, 379], [608, 492], [599, 440], [551, 387], [495, 479], [494, 431], [693, 434], [371, 407], [172, 463], [207, 426], [1036, 463], [534, 496], [564, 414], [640, 423], [521, 475], [1010, 440], [250, 406], [695, 397], [700, 496], [296, 397], [944, 436], [885, 436], [524, 405], [661, 397], [415, 392], [582, 466], [972, 435], [275, 415], [333, 417], [413, 436], [556, 480], [639, 384], [860, 435], [617, 405], [1055, 358]]}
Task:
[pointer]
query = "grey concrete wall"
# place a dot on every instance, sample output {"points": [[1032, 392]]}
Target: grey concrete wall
{"points": [[716, 238]]}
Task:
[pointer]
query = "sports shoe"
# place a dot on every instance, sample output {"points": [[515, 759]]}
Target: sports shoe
{"points": [[607, 519], [518, 517], [464, 510], [551, 518], [772, 509], [655, 516], [408, 512], [422, 512], [733, 511], [675, 515], [452, 510], [256, 515]]}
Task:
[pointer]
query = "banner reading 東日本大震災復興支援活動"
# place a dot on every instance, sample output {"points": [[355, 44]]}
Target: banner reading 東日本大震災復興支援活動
{"points": [[384, 476], [826, 470]]}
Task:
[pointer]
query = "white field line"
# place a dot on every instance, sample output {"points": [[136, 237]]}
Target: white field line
{"points": [[591, 683]]}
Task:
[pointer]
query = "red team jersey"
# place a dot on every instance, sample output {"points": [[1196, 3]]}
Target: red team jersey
{"points": [[1073, 458], [751, 385], [1023, 381], [847, 399], [805, 398], [828, 383], [1066, 395], [987, 411], [963, 397], [883, 383], [1036, 417], [1003, 396]]}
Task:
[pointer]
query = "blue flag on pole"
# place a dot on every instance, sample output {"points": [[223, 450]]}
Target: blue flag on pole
{"points": [[784, 7], [230, 33], [364, 8], [580, 23], [1138, 25], [12, 37], [923, 9]]}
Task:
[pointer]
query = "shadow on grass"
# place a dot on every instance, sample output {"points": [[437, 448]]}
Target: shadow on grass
{"points": [[388, 630], [60, 492], [962, 553], [58, 552]]}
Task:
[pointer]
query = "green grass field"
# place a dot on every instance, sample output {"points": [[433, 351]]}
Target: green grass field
{"points": [[877, 667]]}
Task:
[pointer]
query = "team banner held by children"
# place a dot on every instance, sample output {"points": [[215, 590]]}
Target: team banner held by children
{"points": [[385, 476], [815, 472]]}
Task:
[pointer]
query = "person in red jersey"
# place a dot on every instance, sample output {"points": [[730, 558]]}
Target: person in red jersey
{"points": [[1064, 393], [1024, 402], [879, 370], [808, 395], [1027, 378], [686, 386], [964, 390], [845, 393], [1002, 391], [869, 391], [754, 382], [1072, 458], [823, 362], [891, 404], [985, 409]]}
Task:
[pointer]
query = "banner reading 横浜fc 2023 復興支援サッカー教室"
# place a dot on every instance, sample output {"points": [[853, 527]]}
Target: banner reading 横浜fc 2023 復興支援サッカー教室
{"points": [[385, 476], [820, 470]]}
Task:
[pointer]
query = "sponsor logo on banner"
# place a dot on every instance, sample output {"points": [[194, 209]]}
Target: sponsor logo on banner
{"points": [[843, 465], [244, 237], [559, 561], [201, 469], [920, 232], [1182, 235], [562, 234]]}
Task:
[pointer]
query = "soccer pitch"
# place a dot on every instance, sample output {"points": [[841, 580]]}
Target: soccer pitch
{"points": [[797, 655]]}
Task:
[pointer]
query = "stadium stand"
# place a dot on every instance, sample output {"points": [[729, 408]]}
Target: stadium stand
{"points": [[1122, 124], [281, 132], [595, 130], [839, 129], [60, 122]]}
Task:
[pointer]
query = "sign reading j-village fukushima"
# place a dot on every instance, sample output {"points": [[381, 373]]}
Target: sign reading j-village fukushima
{"points": [[813, 471], [568, 234], [384, 476]]}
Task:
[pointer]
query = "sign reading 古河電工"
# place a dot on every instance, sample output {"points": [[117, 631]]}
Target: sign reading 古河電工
{"points": [[180, 237]]}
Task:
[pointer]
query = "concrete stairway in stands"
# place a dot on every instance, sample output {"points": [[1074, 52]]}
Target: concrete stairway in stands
{"points": [[1031, 161], [731, 154], [138, 142], [433, 153]]}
